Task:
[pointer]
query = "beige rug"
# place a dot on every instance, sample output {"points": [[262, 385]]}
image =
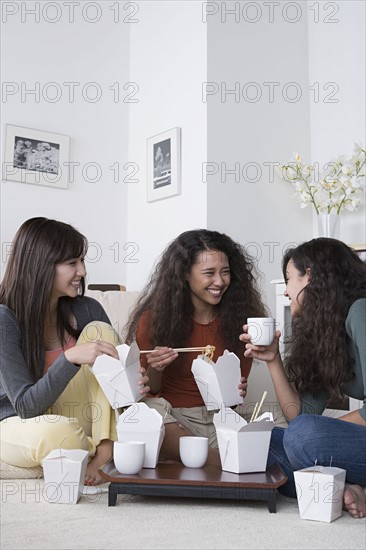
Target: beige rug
{"points": [[28, 521]]}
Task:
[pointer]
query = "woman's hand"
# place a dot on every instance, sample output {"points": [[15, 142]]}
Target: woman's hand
{"points": [[263, 353], [243, 386], [88, 352], [161, 357], [143, 381]]}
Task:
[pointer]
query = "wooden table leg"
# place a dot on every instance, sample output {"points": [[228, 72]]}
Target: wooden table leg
{"points": [[112, 494], [272, 501]]}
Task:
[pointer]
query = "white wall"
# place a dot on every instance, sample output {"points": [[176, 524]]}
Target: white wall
{"points": [[311, 45], [337, 62], [167, 58], [169, 63], [257, 46], [83, 52], [254, 207]]}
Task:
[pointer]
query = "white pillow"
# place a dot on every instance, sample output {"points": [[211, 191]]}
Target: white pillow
{"points": [[117, 305]]}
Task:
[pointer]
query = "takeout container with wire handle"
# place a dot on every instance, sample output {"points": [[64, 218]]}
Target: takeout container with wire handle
{"points": [[319, 491], [243, 445]]}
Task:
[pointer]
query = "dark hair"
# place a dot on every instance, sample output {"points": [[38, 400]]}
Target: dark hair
{"points": [[168, 297], [26, 289], [318, 354]]}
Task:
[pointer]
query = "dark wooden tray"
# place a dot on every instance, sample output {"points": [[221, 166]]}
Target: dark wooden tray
{"points": [[207, 482]]}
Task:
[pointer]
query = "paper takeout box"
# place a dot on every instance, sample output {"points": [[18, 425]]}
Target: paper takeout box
{"points": [[140, 423], [119, 379], [319, 491], [64, 475], [243, 446], [218, 382]]}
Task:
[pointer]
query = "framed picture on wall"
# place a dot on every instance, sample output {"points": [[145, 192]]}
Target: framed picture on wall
{"points": [[36, 157], [163, 165]]}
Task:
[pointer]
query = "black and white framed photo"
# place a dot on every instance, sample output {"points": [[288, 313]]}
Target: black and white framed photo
{"points": [[163, 165], [36, 157]]}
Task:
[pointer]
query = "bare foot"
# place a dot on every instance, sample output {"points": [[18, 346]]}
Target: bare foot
{"points": [[355, 500], [103, 454]]}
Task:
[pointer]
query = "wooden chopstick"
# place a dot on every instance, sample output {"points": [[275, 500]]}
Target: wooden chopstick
{"points": [[254, 411], [203, 348], [259, 406]]}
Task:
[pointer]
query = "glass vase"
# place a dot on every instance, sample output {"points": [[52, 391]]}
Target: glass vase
{"points": [[328, 225]]}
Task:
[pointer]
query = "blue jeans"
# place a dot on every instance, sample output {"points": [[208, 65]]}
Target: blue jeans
{"points": [[311, 439]]}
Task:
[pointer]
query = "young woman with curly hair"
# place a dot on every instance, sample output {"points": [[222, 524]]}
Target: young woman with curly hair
{"points": [[201, 292], [326, 283], [50, 334]]}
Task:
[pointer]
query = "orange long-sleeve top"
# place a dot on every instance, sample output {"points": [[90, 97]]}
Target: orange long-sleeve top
{"points": [[178, 384]]}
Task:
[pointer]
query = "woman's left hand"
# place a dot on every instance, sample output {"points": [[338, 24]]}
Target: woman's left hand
{"points": [[143, 381], [243, 386]]}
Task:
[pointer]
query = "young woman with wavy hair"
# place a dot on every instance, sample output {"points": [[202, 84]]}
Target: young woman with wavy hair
{"points": [[326, 283], [201, 292], [50, 334]]}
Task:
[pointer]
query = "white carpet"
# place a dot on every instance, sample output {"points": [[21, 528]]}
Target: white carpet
{"points": [[28, 521]]}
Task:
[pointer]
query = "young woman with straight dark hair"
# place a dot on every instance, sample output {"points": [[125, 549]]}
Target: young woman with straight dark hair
{"points": [[50, 333]]}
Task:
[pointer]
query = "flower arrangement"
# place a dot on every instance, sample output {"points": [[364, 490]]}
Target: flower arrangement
{"points": [[337, 188]]}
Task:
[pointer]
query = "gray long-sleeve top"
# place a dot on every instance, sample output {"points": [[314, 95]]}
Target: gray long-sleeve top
{"points": [[356, 351], [19, 395]]}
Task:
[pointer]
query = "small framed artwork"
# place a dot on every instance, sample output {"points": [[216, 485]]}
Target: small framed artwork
{"points": [[163, 165], [36, 157]]}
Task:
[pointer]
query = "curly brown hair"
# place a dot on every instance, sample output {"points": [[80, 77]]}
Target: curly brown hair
{"points": [[317, 358], [167, 295]]}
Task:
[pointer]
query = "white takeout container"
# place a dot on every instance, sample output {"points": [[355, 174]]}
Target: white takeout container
{"points": [[319, 491], [64, 475], [218, 382], [243, 446], [140, 423], [119, 378]]}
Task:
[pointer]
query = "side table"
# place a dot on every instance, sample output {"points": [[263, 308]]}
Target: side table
{"points": [[208, 482]]}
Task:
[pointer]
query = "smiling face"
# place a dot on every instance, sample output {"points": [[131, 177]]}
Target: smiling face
{"points": [[209, 279], [68, 275], [295, 282]]}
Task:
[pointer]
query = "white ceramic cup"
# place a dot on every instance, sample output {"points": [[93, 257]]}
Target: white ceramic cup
{"points": [[129, 456], [193, 451], [261, 330]]}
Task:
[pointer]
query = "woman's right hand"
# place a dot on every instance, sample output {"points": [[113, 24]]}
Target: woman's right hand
{"points": [[88, 352], [262, 353], [161, 357]]}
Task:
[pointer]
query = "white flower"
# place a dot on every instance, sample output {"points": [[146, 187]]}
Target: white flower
{"points": [[357, 183], [346, 169], [352, 205], [305, 199], [336, 189], [357, 148], [340, 159]]}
